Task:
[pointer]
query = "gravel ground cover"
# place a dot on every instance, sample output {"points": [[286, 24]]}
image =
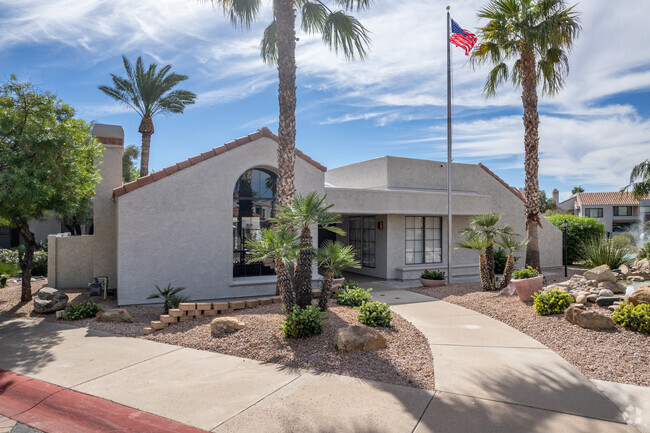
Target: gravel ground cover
{"points": [[406, 361], [619, 355]]}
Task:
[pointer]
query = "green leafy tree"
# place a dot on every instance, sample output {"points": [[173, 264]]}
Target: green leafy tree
{"points": [[46, 163], [535, 35], [130, 157], [577, 189], [579, 230], [149, 92], [339, 31], [478, 242], [640, 181], [546, 204], [333, 257]]}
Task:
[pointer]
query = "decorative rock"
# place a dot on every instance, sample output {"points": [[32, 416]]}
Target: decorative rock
{"points": [[60, 314], [604, 301], [613, 307], [592, 298], [635, 279], [608, 285], [605, 293], [624, 270], [114, 315], [588, 319], [359, 338], [49, 300], [592, 283], [508, 291], [620, 288], [600, 273], [225, 325], [640, 296], [581, 299]]}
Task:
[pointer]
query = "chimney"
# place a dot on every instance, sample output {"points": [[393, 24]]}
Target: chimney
{"points": [[556, 195]]}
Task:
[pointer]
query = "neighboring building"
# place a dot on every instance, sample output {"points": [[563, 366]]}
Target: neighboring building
{"points": [[187, 224], [619, 211], [10, 238]]}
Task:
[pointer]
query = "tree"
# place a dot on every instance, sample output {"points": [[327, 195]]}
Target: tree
{"points": [[278, 46], [512, 245], [149, 93], [536, 34], [577, 189], [333, 257], [640, 180], [546, 204], [478, 242], [129, 167], [46, 163], [304, 213]]}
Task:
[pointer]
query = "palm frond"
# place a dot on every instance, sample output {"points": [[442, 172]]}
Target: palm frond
{"points": [[268, 45], [314, 16], [344, 32]]}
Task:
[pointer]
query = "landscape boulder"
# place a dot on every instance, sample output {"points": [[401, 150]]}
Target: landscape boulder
{"points": [[608, 285], [225, 325], [640, 296], [581, 299], [49, 300], [600, 273], [605, 301], [606, 293], [624, 270], [114, 315], [359, 338], [588, 319]]}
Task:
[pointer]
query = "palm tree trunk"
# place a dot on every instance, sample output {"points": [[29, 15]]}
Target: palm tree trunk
{"points": [[489, 263], [482, 267], [284, 285], [146, 129], [26, 261], [303, 270], [326, 289], [286, 42], [531, 148], [507, 272]]}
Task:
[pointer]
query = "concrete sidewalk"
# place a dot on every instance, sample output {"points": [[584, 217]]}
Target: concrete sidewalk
{"points": [[489, 377]]}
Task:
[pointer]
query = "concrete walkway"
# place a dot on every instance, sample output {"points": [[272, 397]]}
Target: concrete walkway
{"points": [[489, 378]]}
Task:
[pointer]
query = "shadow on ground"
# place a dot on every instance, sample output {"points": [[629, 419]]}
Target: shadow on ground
{"points": [[26, 346]]}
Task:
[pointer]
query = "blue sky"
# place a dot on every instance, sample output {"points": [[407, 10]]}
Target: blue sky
{"points": [[393, 103]]}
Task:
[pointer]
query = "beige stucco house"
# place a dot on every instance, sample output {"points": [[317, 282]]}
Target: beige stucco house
{"points": [[187, 224]]}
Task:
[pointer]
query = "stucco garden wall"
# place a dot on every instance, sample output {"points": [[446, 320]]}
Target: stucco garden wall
{"points": [[70, 261]]}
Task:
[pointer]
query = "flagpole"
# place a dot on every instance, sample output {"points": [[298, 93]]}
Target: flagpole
{"points": [[449, 231]]}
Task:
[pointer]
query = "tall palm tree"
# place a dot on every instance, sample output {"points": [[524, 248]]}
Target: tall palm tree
{"points": [[536, 34], [512, 245], [333, 257], [640, 180], [278, 46], [149, 93], [304, 213], [478, 242], [281, 244]]}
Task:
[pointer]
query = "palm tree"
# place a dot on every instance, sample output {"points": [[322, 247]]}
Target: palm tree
{"points": [[640, 180], [304, 213], [170, 295], [278, 46], [478, 242], [149, 93], [512, 245], [536, 34], [281, 244], [333, 257]]}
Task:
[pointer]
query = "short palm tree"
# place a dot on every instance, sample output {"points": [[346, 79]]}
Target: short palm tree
{"points": [[512, 245], [307, 212], [281, 244], [478, 242], [640, 180], [333, 257], [149, 93], [338, 29], [536, 34], [170, 295]]}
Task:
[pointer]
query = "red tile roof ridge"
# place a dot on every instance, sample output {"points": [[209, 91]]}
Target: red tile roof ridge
{"points": [[606, 198], [153, 177], [514, 190]]}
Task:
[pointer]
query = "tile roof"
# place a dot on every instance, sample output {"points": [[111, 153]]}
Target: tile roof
{"points": [[157, 175], [606, 198], [515, 191]]}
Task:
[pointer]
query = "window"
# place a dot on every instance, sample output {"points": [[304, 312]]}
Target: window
{"points": [[622, 210], [423, 240], [253, 205], [594, 212], [362, 237]]}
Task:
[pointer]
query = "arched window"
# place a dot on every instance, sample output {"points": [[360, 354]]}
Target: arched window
{"points": [[253, 205]]}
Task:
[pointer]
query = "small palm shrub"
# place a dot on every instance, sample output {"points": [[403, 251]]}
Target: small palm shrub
{"points": [[303, 322], [597, 251], [527, 272], [375, 314], [82, 310], [551, 302], [636, 318], [170, 296], [353, 297], [433, 275]]}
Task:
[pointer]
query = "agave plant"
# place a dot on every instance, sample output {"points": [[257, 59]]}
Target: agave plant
{"points": [[170, 295], [333, 257]]}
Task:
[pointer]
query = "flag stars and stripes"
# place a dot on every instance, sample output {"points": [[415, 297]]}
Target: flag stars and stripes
{"points": [[462, 38]]}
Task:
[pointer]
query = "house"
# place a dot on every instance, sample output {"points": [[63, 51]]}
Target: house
{"points": [[619, 211], [187, 224]]}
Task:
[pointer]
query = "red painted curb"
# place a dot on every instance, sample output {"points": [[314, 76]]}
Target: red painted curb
{"points": [[54, 409]]}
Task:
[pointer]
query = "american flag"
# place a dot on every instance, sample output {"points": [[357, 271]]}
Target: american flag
{"points": [[462, 38]]}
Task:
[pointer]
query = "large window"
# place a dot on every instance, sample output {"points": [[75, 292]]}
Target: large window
{"points": [[423, 240], [622, 210], [362, 237], [253, 205], [594, 212]]}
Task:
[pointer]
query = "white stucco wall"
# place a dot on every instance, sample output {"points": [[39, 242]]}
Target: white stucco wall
{"points": [[179, 229], [49, 226], [70, 261]]}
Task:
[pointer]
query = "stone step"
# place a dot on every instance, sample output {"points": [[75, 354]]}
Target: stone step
{"points": [[148, 330], [157, 324]]}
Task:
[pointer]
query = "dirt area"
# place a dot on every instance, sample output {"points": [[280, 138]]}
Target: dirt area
{"points": [[406, 361], [619, 355]]}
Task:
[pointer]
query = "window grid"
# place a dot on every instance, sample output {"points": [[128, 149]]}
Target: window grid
{"points": [[623, 211], [594, 212], [423, 240], [362, 236]]}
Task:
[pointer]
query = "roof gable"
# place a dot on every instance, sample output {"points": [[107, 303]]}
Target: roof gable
{"points": [[514, 190]]}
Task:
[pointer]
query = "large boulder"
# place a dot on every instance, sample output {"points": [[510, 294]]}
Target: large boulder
{"points": [[114, 315], [359, 338], [588, 319], [49, 300], [608, 285], [225, 325], [600, 273], [624, 270], [640, 296]]}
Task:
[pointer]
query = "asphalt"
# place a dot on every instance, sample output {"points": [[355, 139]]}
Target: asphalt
{"points": [[489, 378]]}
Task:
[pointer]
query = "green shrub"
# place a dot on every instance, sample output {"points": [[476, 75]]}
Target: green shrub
{"points": [[9, 256], [433, 275], [624, 240], [645, 250], [82, 310], [337, 274], [349, 284], [551, 302], [6, 271], [39, 265], [375, 314], [579, 230], [597, 252], [353, 297], [527, 272], [636, 318], [303, 323]]}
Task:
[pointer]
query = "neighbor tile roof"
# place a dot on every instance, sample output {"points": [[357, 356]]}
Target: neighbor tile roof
{"points": [[157, 175], [514, 190], [606, 198]]}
